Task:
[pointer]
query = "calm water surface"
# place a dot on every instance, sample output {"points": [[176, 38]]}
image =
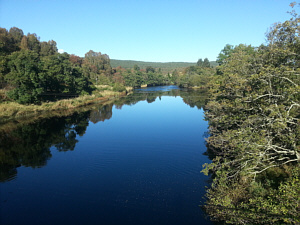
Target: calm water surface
{"points": [[135, 162]]}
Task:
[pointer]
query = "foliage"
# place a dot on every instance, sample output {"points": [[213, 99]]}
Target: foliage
{"points": [[197, 76], [23, 67], [58, 76], [48, 48], [36, 78], [228, 50], [204, 63], [165, 66], [96, 64], [254, 131], [137, 77], [119, 87], [256, 202], [33, 71]]}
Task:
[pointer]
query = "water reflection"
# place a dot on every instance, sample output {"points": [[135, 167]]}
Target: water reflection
{"points": [[193, 98], [29, 145], [101, 113]]}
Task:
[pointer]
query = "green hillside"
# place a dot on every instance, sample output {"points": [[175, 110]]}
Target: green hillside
{"points": [[164, 66], [168, 65]]}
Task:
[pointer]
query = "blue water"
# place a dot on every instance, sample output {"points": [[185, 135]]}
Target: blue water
{"points": [[157, 89], [141, 166]]}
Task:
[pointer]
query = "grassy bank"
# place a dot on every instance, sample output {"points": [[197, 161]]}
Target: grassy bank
{"points": [[14, 111]]}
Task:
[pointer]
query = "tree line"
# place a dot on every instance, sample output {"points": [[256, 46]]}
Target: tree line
{"points": [[254, 127], [197, 76], [32, 71], [164, 66]]}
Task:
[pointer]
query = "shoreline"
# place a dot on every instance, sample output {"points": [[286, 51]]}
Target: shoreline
{"points": [[15, 112]]}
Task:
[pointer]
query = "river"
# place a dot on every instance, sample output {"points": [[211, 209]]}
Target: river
{"points": [[136, 161]]}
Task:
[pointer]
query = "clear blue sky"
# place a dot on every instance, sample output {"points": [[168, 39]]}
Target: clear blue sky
{"points": [[146, 30]]}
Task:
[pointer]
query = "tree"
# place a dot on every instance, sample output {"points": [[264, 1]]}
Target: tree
{"points": [[48, 48], [76, 61], [150, 69], [6, 43], [206, 63], [136, 68], [224, 54], [254, 131], [175, 76], [23, 75], [96, 64], [200, 62], [58, 76], [17, 35], [33, 42]]}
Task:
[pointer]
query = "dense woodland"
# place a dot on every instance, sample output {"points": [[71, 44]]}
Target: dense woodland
{"points": [[253, 111]]}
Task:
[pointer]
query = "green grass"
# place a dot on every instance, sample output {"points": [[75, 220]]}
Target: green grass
{"points": [[13, 110]]}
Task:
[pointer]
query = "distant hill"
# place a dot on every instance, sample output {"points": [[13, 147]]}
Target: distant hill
{"points": [[164, 66], [213, 63], [127, 64]]}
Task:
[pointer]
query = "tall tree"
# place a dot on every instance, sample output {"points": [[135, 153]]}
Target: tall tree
{"points": [[33, 42], [6, 43], [48, 48], [96, 64], [200, 62], [17, 35], [206, 63]]}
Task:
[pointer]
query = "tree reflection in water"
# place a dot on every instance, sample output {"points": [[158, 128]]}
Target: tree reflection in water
{"points": [[29, 145]]}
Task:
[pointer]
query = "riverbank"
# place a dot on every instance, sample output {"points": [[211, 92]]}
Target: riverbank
{"points": [[13, 111]]}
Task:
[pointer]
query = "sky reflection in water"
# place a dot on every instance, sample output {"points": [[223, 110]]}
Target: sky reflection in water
{"points": [[141, 166]]}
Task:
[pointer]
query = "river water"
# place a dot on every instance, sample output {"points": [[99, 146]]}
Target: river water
{"points": [[136, 161]]}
